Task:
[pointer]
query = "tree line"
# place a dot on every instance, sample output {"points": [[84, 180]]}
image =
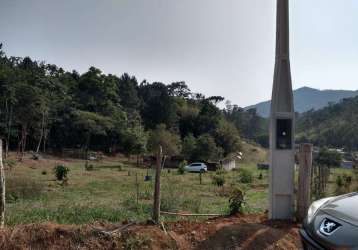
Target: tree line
{"points": [[46, 108]]}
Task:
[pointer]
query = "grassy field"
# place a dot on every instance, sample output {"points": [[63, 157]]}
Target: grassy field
{"points": [[109, 192]]}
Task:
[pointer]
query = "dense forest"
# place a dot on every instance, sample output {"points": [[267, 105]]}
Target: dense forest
{"points": [[45, 108], [335, 125]]}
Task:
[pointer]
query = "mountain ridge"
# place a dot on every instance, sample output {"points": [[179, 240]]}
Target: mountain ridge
{"points": [[307, 98]]}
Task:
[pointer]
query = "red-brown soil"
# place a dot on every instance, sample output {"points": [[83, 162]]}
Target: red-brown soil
{"points": [[237, 232]]}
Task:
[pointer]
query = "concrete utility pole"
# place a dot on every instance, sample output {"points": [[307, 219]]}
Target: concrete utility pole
{"points": [[282, 124]]}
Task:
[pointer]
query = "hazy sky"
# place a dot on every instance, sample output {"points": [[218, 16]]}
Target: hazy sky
{"points": [[219, 47]]}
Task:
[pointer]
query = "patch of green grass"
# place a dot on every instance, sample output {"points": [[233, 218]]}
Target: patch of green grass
{"points": [[110, 195]]}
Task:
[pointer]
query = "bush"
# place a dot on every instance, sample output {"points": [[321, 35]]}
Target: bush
{"points": [[218, 178], [339, 181], [89, 167], [236, 201], [246, 176], [44, 172], [260, 176], [181, 168], [61, 172]]}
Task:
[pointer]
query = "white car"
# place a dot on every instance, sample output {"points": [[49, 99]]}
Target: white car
{"points": [[197, 167]]}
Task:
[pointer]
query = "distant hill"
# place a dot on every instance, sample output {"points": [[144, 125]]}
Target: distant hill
{"points": [[335, 125], [306, 98]]}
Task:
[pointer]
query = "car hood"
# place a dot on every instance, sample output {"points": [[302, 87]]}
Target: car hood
{"points": [[343, 207]]}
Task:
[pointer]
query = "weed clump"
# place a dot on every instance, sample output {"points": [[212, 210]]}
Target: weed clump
{"points": [[219, 178], [246, 176], [61, 172], [236, 201], [181, 168]]}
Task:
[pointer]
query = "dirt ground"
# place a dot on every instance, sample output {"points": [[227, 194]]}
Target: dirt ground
{"points": [[237, 232]]}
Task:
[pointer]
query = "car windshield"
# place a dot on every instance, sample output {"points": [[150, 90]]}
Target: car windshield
{"points": [[195, 165]]}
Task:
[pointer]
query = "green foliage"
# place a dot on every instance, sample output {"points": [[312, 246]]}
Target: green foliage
{"points": [[236, 201], [334, 125], [181, 168], [246, 176], [45, 107], [329, 158], [219, 178], [206, 149], [61, 172], [169, 141]]}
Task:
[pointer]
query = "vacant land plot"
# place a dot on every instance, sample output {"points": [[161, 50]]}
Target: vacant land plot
{"points": [[109, 192]]}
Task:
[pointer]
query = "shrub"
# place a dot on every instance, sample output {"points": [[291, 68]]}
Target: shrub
{"points": [[44, 172], [339, 181], [61, 172], [181, 168], [246, 176], [260, 176], [218, 178], [236, 201], [89, 167]]}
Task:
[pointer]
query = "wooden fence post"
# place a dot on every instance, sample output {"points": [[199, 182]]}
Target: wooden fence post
{"points": [[304, 180], [156, 206], [2, 188]]}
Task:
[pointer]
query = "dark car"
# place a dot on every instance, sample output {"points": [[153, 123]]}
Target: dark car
{"points": [[332, 223]]}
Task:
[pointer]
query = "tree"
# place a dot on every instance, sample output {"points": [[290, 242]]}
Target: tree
{"points": [[169, 141], [157, 106], [189, 147], [128, 92], [227, 137], [206, 149], [329, 158]]}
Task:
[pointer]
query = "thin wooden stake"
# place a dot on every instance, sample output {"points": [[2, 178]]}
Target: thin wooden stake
{"points": [[156, 206], [137, 187], [2, 189], [304, 180]]}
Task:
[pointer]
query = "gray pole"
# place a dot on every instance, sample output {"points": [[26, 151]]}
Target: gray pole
{"points": [[282, 124]]}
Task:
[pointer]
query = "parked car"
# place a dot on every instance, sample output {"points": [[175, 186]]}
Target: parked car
{"points": [[332, 223], [196, 167]]}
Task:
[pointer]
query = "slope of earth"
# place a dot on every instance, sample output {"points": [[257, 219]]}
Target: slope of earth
{"points": [[237, 232]]}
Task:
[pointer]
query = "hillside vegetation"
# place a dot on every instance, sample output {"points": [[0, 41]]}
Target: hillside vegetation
{"points": [[335, 125], [45, 108]]}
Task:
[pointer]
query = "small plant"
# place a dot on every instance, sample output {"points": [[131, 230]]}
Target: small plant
{"points": [[181, 168], [219, 178], [44, 172], [61, 172], [260, 176], [246, 176], [339, 181], [236, 201], [89, 167]]}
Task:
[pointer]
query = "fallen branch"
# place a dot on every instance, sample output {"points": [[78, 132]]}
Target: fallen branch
{"points": [[182, 214]]}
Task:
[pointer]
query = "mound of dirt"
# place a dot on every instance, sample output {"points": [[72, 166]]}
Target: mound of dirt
{"points": [[238, 232]]}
